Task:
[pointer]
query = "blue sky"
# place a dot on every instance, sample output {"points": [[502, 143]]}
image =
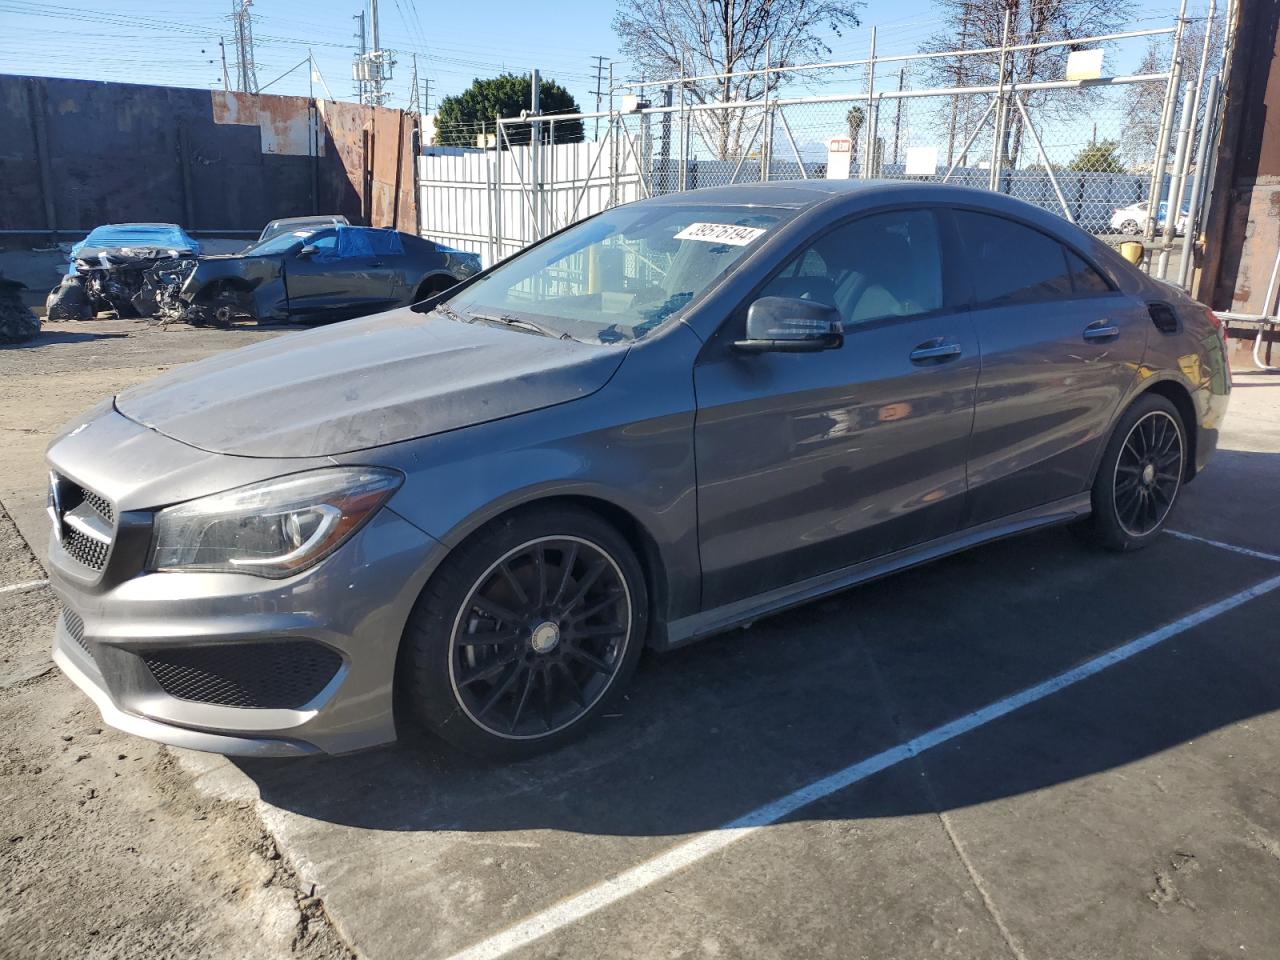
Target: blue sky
{"points": [[172, 43]]}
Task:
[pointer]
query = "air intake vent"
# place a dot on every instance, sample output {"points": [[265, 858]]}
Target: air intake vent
{"points": [[1163, 317], [274, 674]]}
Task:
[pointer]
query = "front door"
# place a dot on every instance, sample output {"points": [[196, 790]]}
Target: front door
{"points": [[346, 276], [1060, 349], [811, 462]]}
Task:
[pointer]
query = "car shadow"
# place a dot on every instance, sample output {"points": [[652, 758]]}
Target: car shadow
{"points": [[715, 730], [47, 337]]}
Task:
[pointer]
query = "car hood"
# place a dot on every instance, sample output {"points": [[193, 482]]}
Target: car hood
{"points": [[365, 383]]}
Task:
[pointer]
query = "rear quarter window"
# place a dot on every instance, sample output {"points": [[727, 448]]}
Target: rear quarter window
{"points": [[1010, 263]]}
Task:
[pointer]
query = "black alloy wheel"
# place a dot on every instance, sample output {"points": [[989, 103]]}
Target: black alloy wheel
{"points": [[540, 637], [529, 629], [1139, 476], [1148, 473]]}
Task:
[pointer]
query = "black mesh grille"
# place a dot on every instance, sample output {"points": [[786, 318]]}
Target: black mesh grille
{"points": [[280, 675], [100, 505], [84, 548], [75, 627]]}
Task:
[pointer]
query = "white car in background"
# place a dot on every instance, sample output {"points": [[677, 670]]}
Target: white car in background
{"points": [[1133, 218]]}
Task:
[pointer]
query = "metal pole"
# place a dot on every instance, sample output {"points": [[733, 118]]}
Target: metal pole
{"points": [[897, 115], [684, 135], [612, 134], [1166, 121], [969, 142], [766, 144], [1198, 184], [867, 158], [1179, 171], [1044, 157], [1179, 186], [993, 179], [535, 152]]}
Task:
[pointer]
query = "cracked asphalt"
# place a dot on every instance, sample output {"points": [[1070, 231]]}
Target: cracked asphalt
{"points": [[1134, 813]]}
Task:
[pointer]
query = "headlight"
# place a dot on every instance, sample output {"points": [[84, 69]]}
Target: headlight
{"points": [[270, 529]]}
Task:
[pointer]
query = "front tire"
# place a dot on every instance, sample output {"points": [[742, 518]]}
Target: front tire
{"points": [[1139, 477], [527, 632]]}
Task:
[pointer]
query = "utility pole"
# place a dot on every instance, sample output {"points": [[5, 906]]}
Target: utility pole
{"points": [[426, 94], [358, 64], [246, 70], [226, 77], [372, 68], [598, 91]]}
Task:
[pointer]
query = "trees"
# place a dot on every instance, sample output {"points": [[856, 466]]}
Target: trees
{"points": [[697, 37], [975, 24], [1144, 102], [1100, 157], [459, 119]]}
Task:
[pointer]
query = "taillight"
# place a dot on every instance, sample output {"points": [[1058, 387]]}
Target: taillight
{"points": [[1222, 332]]}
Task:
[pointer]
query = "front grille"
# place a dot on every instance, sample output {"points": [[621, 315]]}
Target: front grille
{"points": [[273, 675], [85, 549], [101, 506], [84, 521]]}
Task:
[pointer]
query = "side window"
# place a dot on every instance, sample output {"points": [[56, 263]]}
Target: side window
{"points": [[884, 265], [1011, 263], [1085, 279], [325, 242]]}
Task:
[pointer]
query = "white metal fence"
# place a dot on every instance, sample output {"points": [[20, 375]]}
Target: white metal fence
{"points": [[1092, 149]]}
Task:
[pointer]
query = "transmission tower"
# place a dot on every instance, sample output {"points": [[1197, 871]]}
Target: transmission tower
{"points": [[246, 69]]}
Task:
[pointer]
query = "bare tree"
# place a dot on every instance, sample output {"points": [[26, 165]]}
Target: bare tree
{"points": [[1144, 102], [976, 24], [669, 38]]}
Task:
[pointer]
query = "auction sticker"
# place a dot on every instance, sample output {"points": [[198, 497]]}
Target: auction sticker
{"points": [[729, 233]]}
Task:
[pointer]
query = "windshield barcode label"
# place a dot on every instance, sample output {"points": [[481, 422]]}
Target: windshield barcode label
{"points": [[729, 233]]}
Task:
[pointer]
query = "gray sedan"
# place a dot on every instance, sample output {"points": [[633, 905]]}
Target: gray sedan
{"points": [[670, 419]]}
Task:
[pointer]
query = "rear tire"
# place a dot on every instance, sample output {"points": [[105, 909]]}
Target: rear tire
{"points": [[563, 597], [1130, 227], [1140, 476]]}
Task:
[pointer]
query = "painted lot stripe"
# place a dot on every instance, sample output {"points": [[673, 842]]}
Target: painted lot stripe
{"points": [[25, 585], [1258, 554], [631, 881]]}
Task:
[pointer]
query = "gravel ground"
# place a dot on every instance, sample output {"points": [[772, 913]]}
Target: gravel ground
{"points": [[106, 848]]}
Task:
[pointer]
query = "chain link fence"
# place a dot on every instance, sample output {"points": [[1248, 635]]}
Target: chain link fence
{"points": [[1092, 149]]}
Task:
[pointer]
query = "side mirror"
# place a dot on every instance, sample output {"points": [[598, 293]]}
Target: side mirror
{"points": [[787, 325], [308, 251]]}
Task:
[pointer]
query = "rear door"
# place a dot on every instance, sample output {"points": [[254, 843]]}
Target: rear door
{"points": [[1060, 348], [814, 461], [355, 271]]}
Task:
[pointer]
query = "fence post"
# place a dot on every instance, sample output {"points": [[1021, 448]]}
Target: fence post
{"points": [[868, 154], [1179, 171], [1166, 122], [1001, 118], [1197, 185]]}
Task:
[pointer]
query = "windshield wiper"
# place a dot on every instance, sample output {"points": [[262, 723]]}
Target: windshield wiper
{"points": [[449, 312], [522, 324]]}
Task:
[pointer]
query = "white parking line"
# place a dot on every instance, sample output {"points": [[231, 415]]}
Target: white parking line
{"points": [[1258, 554], [631, 881], [24, 586]]}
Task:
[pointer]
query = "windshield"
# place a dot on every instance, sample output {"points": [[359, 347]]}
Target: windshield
{"points": [[618, 276], [279, 244]]}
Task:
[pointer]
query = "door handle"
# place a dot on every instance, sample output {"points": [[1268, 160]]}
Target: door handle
{"points": [[935, 351], [1101, 330]]}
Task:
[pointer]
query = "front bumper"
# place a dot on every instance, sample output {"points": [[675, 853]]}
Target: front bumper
{"points": [[352, 606]]}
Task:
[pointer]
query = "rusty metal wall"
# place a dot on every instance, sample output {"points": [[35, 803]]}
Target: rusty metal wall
{"points": [[1242, 231], [77, 153]]}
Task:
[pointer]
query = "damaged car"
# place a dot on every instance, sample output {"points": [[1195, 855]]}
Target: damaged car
{"points": [[313, 275], [114, 268]]}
